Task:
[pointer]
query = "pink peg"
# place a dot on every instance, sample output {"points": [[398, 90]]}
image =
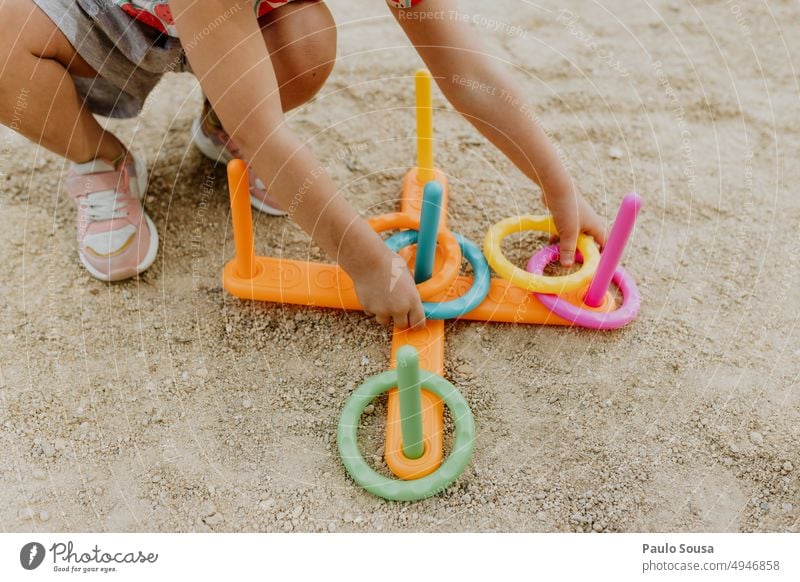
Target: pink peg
{"points": [[612, 252]]}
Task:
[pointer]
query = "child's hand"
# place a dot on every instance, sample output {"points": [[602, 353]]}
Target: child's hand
{"points": [[386, 290], [573, 215], [489, 98]]}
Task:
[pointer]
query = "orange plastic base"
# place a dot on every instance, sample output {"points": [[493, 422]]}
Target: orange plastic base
{"points": [[324, 285], [429, 342]]}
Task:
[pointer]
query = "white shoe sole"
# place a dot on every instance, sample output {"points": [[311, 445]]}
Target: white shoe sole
{"points": [[149, 259], [220, 154], [142, 181], [266, 208]]}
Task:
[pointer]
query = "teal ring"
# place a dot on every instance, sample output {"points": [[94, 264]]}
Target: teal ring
{"points": [[480, 285]]}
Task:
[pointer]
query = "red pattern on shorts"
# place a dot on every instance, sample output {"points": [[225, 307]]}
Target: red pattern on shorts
{"points": [[157, 14]]}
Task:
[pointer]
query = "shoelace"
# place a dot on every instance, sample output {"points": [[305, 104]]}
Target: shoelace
{"points": [[104, 205]]}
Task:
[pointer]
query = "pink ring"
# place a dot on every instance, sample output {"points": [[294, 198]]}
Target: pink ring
{"points": [[620, 317]]}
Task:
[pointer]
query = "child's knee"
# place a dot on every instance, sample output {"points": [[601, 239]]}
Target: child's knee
{"points": [[307, 71], [303, 49]]}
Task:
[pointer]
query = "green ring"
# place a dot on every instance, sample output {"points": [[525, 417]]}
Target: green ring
{"points": [[397, 490]]}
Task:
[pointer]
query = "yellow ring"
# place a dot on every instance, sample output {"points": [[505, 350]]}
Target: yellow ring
{"points": [[538, 283]]}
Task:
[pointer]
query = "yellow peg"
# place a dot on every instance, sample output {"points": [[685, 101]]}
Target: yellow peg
{"points": [[424, 127]]}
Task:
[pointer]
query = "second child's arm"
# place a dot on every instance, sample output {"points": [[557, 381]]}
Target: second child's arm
{"points": [[225, 47], [486, 94]]}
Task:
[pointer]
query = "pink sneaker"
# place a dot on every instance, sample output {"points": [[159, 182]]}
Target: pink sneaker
{"points": [[214, 143], [116, 239]]}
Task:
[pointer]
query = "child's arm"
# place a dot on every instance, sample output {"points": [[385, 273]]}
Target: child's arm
{"points": [[488, 97], [226, 49]]}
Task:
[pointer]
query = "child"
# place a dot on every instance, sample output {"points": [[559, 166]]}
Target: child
{"points": [[255, 60]]}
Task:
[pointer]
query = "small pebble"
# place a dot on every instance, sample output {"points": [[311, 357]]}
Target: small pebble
{"points": [[297, 511], [465, 369], [579, 518], [332, 527], [98, 490], [156, 478], [369, 409], [247, 404], [598, 527], [614, 153], [26, 514], [213, 520], [44, 515], [207, 509], [756, 438], [201, 372], [764, 505], [38, 474], [787, 466], [787, 507]]}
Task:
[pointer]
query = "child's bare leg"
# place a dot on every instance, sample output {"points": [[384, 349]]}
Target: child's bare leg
{"points": [[116, 239], [35, 65], [301, 40]]}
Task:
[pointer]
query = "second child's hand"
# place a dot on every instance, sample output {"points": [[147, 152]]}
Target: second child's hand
{"points": [[488, 96]]}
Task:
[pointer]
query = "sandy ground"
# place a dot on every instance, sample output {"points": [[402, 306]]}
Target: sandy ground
{"points": [[164, 404]]}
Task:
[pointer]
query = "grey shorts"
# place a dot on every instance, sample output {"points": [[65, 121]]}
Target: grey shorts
{"points": [[129, 57]]}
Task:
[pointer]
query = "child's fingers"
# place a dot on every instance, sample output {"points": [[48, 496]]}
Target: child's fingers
{"points": [[597, 230], [416, 317], [567, 244], [383, 319], [401, 320]]}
